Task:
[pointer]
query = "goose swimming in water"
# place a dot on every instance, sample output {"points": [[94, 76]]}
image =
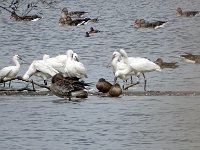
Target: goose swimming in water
{"points": [[65, 13], [141, 23], [163, 64], [179, 13], [16, 17], [188, 57], [76, 22]]}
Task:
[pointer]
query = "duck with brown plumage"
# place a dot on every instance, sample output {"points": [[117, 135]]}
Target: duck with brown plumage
{"points": [[115, 90], [103, 86], [188, 57], [180, 12], [108, 89], [65, 12], [68, 87], [141, 23], [163, 64]]}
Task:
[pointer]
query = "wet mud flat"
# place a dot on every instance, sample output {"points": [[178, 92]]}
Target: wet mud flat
{"points": [[45, 92]]}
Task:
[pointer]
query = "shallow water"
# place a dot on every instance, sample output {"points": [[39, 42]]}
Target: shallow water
{"points": [[48, 122]]}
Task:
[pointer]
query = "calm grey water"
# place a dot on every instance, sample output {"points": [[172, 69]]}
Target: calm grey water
{"points": [[139, 123], [47, 122]]}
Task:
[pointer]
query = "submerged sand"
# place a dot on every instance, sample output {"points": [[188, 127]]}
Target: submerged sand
{"points": [[45, 92]]}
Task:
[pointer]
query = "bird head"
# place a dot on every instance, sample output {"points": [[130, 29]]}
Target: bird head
{"points": [[75, 57], [70, 54], [17, 57]]}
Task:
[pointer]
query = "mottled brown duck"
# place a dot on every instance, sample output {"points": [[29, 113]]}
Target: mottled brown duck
{"points": [[179, 12], [103, 86], [188, 57], [163, 64], [65, 12], [141, 23], [16, 17], [115, 90], [67, 87], [76, 22]]}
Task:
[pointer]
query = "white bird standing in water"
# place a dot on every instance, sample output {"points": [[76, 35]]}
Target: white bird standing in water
{"points": [[10, 71], [120, 69], [74, 68], [140, 65]]}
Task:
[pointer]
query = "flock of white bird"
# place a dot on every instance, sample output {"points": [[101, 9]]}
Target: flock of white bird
{"points": [[123, 67], [68, 65]]}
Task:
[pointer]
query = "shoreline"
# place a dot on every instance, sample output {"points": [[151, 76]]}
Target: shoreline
{"points": [[44, 92]]}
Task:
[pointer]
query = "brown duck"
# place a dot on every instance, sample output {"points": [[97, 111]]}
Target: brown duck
{"points": [[179, 12], [191, 58], [141, 23], [103, 86], [115, 90], [16, 17], [68, 87], [76, 22], [163, 64], [65, 12], [92, 30]]}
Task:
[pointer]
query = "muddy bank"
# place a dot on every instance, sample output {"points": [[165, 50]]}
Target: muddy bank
{"points": [[162, 93], [45, 92]]}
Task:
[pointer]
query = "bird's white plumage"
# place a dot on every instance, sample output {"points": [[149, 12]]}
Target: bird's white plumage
{"points": [[40, 69], [120, 69], [139, 64], [11, 71], [74, 68], [161, 26], [55, 63], [67, 64]]}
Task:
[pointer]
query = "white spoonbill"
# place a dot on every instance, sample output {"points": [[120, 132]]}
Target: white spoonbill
{"points": [[140, 65], [57, 64], [40, 69], [62, 58], [10, 71], [74, 68], [120, 69]]}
